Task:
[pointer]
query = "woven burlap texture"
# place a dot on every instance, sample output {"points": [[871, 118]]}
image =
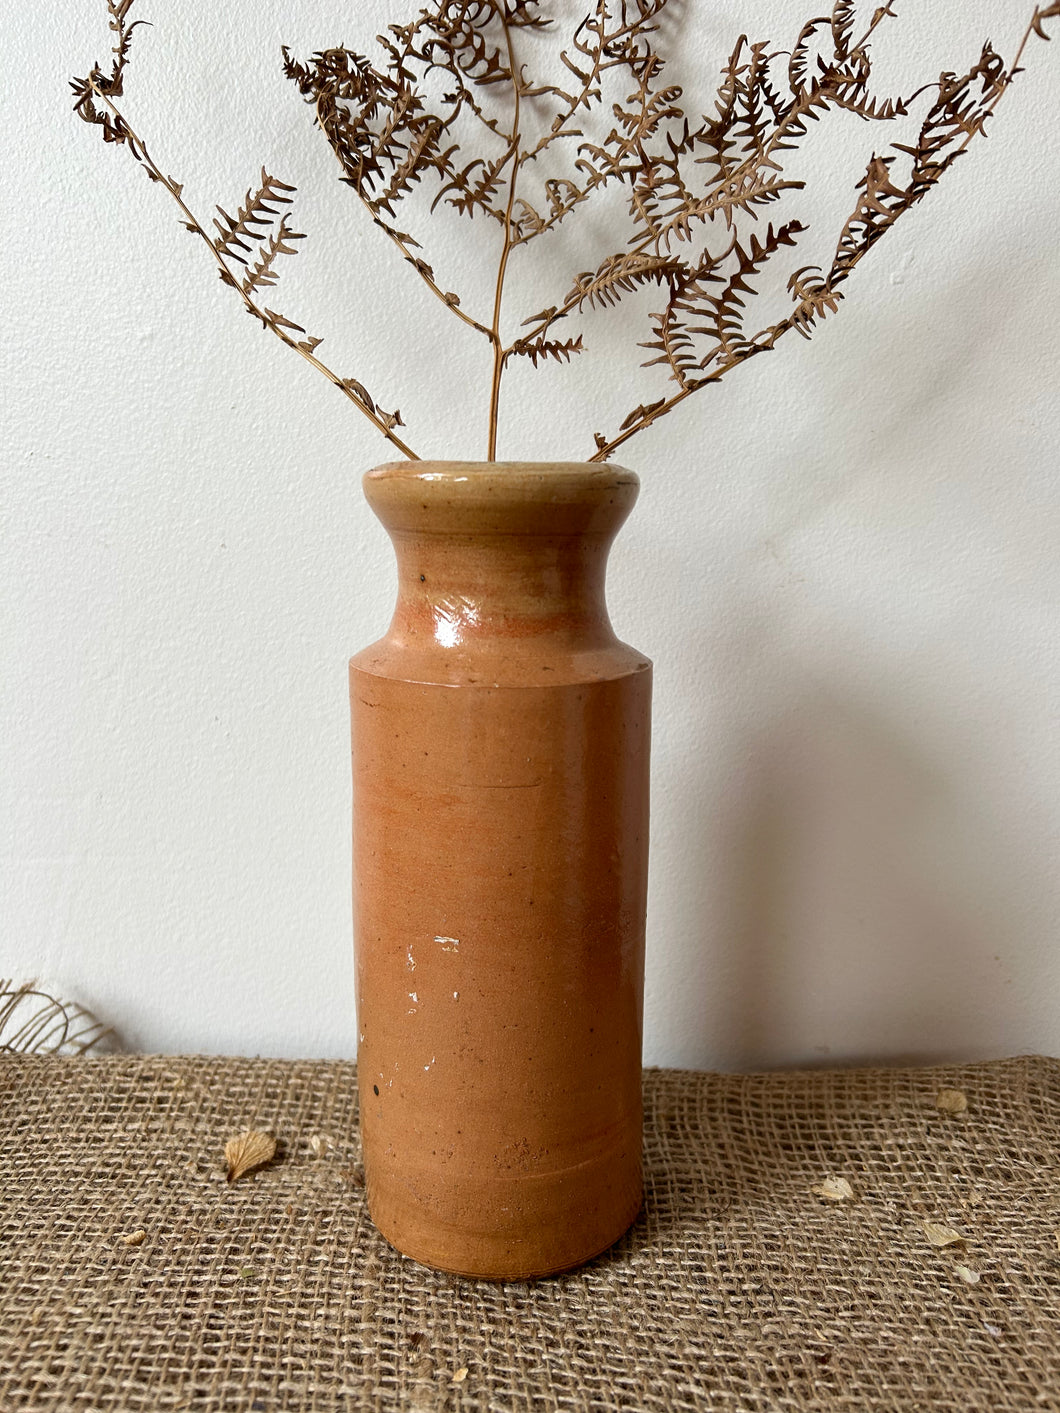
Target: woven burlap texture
{"points": [[740, 1288]]}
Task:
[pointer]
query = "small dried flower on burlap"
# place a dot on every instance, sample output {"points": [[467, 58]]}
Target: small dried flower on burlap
{"points": [[249, 1150]]}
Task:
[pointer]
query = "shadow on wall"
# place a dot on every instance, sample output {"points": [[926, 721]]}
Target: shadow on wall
{"points": [[844, 901], [853, 922]]}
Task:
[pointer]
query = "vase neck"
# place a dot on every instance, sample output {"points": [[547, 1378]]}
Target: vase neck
{"points": [[504, 557], [456, 591]]}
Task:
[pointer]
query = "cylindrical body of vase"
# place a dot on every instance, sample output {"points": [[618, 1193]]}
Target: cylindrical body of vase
{"points": [[500, 768]]}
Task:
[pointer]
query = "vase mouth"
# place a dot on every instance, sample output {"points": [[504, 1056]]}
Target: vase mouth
{"points": [[501, 497], [408, 467]]}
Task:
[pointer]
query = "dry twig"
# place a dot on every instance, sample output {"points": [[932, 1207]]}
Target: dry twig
{"points": [[32, 1022]]}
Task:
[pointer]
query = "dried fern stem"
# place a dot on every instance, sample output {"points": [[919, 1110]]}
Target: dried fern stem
{"points": [[686, 179], [500, 353]]}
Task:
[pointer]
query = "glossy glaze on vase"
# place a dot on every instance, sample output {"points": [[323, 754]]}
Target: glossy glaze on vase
{"points": [[500, 763]]}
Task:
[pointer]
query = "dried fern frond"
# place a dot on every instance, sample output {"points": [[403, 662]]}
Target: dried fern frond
{"points": [[234, 233], [244, 242], [535, 349], [261, 273], [618, 275], [32, 1022], [695, 187]]}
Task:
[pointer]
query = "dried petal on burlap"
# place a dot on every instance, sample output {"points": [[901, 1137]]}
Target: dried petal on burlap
{"points": [[248, 1150], [939, 1234]]}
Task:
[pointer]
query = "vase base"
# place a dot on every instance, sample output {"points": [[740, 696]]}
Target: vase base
{"points": [[503, 1263]]}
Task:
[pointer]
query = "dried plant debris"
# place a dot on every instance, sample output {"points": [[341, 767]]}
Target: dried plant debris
{"points": [[320, 1145], [460, 1375], [32, 1022], [134, 1238], [835, 1189], [939, 1234], [249, 1150], [952, 1101], [967, 1275], [695, 186]]}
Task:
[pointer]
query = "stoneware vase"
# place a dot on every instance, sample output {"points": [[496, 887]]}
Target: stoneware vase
{"points": [[500, 769]]}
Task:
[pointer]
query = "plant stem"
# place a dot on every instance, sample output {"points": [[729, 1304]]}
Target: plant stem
{"points": [[499, 352], [406, 253], [231, 278], [605, 451]]}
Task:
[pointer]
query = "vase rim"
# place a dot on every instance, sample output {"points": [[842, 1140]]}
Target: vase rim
{"points": [[444, 470], [508, 497]]}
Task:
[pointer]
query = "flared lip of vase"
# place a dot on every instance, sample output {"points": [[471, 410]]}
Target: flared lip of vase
{"points": [[526, 497]]}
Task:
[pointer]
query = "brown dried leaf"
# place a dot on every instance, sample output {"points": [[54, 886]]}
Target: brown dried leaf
{"points": [[939, 1234], [952, 1101], [617, 275], [257, 213], [279, 321], [542, 348], [360, 392], [645, 413], [248, 1150], [263, 274]]}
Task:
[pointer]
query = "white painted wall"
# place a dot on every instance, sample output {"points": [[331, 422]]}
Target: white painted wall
{"points": [[844, 565]]}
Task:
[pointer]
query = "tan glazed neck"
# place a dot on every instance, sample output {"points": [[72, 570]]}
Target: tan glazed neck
{"points": [[502, 563]]}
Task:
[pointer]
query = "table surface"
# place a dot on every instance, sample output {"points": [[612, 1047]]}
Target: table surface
{"points": [[134, 1277]]}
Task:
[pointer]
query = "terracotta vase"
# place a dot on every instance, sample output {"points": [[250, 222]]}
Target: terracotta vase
{"points": [[500, 767]]}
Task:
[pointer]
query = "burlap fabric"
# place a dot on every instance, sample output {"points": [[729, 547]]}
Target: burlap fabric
{"points": [[740, 1288]]}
